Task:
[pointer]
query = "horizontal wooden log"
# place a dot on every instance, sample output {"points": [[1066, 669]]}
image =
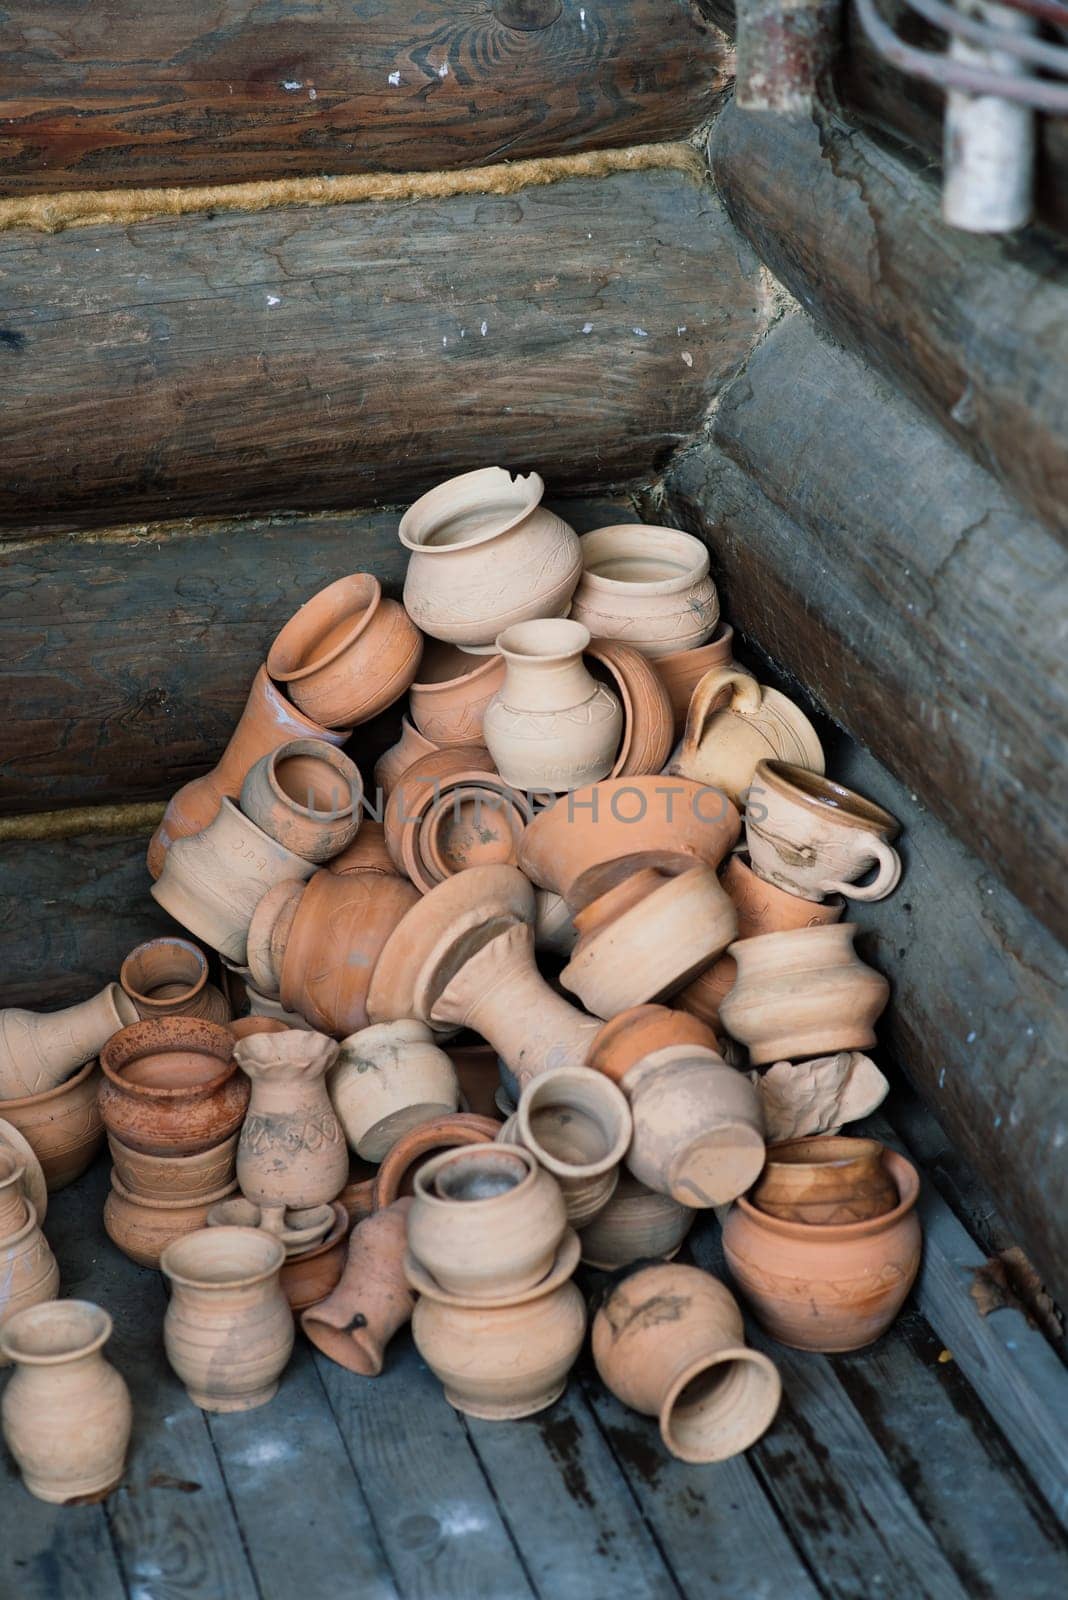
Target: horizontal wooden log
{"points": [[339, 356], [916, 601], [154, 93], [975, 329]]}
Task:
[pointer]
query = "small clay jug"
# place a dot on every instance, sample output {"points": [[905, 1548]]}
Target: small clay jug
{"points": [[551, 725], [67, 1413], [355, 1323], [168, 977], [388, 1079], [28, 1270], [307, 796], [636, 1225], [171, 1086], [808, 1097], [63, 1126], [398, 758], [577, 1125], [228, 1330], [396, 1175], [734, 722], [669, 1342], [175, 1177], [638, 1032], [648, 586], [814, 838], [825, 1181], [698, 1129], [142, 1227], [682, 670], [292, 1151], [39, 1050], [454, 688]]}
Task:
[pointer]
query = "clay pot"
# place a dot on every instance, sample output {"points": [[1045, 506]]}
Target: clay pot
{"points": [[420, 784], [28, 1270], [171, 1086], [67, 1413], [212, 882], [358, 1194], [398, 758], [228, 1331], [178, 1178], [366, 853], [32, 1179], [809, 1097], [267, 721], [305, 795], [245, 1027], [551, 725], [734, 722], [648, 586], [698, 1130], [355, 1323], [638, 1032], [647, 937], [477, 1074], [669, 1341], [813, 838], [477, 822], [682, 670], [292, 1151], [648, 729], [553, 927], [169, 978], [827, 1288], [347, 653], [486, 553], [387, 1080], [396, 1175], [266, 1008], [308, 1276], [454, 689], [590, 840], [64, 1125], [142, 1227], [39, 1050], [636, 1225], [486, 1222], [297, 1230], [803, 993], [825, 1181], [576, 1125]]}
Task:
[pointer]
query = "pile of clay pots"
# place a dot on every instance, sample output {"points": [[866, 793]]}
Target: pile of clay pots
{"points": [[524, 997]]}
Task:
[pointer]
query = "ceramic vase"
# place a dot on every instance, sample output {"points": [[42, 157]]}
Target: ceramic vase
{"points": [[814, 838], [637, 1224], [733, 723], [354, 1325], [638, 1032], [682, 670], [175, 1177], [171, 1086], [142, 1226], [648, 730], [698, 1128], [486, 553], [292, 1151], [809, 1097], [551, 725], [228, 1331], [825, 1181], [66, 1412], [168, 977], [63, 1126], [398, 758], [396, 1176], [306, 796], [347, 653], [827, 1287], [669, 1342], [39, 1050], [388, 1079], [648, 586], [577, 1125], [803, 993], [454, 688], [28, 1270]]}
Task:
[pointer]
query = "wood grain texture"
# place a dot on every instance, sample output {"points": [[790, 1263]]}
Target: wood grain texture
{"points": [[348, 355], [975, 329], [921, 607], [152, 93]]}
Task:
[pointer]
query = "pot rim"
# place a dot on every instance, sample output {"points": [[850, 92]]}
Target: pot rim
{"points": [[863, 1149], [637, 532], [302, 625], [462, 1153], [557, 628], [483, 666], [60, 1088], [44, 1313], [616, 1102], [724, 635], [426, 508], [907, 1180], [332, 757], [419, 1141], [113, 1071], [140, 998], [704, 1363], [218, 1236], [187, 1202], [823, 798], [567, 1257], [828, 930], [424, 833]]}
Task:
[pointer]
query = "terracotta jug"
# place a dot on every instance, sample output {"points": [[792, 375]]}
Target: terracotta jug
{"points": [[636, 1225], [454, 689], [67, 1413], [171, 1086], [355, 1323], [307, 796], [825, 1180], [682, 670], [803, 993], [551, 725], [228, 1330], [63, 1125], [486, 553], [577, 1125], [814, 838], [397, 759], [396, 1176], [648, 586], [169, 978], [28, 1270], [698, 1129], [640, 1030], [292, 1151], [669, 1342], [268, 720], [39, 1050], [648, 732], [387, 1079], [808, 1097], [734, 722]]}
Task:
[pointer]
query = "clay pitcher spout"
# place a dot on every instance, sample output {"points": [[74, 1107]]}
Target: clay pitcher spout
{"points": [[354, 1325]]}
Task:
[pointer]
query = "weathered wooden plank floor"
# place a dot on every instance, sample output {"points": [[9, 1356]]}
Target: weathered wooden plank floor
{"points": [[885, 1474]]}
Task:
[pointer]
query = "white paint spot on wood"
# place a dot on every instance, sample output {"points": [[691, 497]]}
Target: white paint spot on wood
{"points": [[484, 329], [274, 299], [640, 332], [394, 79], [443, 70], [267, 1452], [311, 94], [582, 18], [688, 358], [681, 329], [587, 327], [292, 84]]}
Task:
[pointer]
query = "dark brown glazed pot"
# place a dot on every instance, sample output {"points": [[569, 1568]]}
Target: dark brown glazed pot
{"points": [[171, 1086]]}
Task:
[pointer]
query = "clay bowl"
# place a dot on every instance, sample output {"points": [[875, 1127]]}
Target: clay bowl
{"points": [[175, 1178], [33, 1182], [63, 1126], [648, 725], [142, 1228], [169, 978], [682, 670], [396, 1175], [171, 1087], [454, 688], [565, 1261], [474, 824], [638, 1032], [309, 1277], [825, 1180], [648, 585], [478, 1074], [635, 1225], [366, 853]]}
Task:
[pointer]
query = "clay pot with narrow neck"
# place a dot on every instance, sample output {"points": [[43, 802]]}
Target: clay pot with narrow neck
{"points": [[648, 586], [826, 1180], [39, 1050], [577, 1125], [142, 1226], [698, 1128], [734, 722], [399, 757], [551, 725], [63, 1125], [396, 1175], [67, 1413], [648, 732], [388, 1079], [827, 1287], [307, 796], [348, 653], [814, 838], [454, 688], [803, 993], [28, 1270], [169, 978], [486, 553], [355, 1323], [669, 1342], [292, 1151], [682, 670], [268, 720], [637, 1224], [638, 1032], [171, 1086], [176, 1178], [228, 1331]]}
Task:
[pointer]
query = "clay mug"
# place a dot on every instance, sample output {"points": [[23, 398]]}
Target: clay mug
{"points": [[698, 1127], [734, 722], [28, 1270], [648, 586], [825, 1180], [66, 1412], [814, 838], [168, 977], [355, 1323], [388, 1079], [39, 1050], [307, 796], [577, 1125], [292, 1151]]}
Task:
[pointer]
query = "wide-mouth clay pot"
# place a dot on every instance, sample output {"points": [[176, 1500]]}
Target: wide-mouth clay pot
{"points": [[566, 1259], [347, 653], [396, 1176], [827, 1287], [486, 553], [648, 726], [648, 586], [577, 1125], [637, 1224], [593, 838], [478, 821], [803, 993], [486, 1222], [171, 1086], [824, 1181], [355, 1323], [388, 1079], [142, 1227], [804, 1098], [39, 1050], [734, 723], [174, 1177], [449, 701], [814, 838], [698, 1126], [638, 1032], [63, 1125], [366, 853], [307, 796], [168, 977], [682, 670], [397, 759], [32, 1180], [669, 1341]]}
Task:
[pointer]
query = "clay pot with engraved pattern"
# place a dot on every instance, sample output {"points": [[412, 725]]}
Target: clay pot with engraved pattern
{"points": [[307, 796], [175, 1177], [39, 1050], [454, 688], [63, 1126], [169, 978], [292, 1150], [648, 586], [28, 1270], [648, 726], [171, 1086]]}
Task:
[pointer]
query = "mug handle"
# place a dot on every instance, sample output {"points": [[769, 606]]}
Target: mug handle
{"points": [[746, 697], [886, 879]]}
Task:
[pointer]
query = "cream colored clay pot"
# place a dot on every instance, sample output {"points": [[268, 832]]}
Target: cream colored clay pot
{"points": [[698, 1128], [637, 1224], [39, 1050], [388, 1079], [28, 1270], [292, 1152], [814, 838], [648, 586], [577, 1125], [735, 722]]}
